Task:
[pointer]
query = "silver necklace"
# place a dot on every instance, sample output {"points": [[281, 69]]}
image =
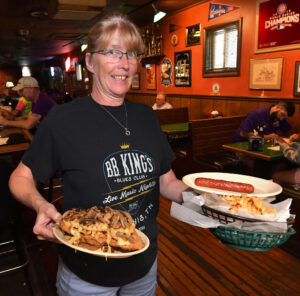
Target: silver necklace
{"points": [[127, 131]]}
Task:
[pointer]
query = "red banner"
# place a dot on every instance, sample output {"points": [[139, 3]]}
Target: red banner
{"points": [[278, 25]]}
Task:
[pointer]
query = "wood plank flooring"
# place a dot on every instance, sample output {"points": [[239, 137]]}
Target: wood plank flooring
{"points": [[191, 261]]}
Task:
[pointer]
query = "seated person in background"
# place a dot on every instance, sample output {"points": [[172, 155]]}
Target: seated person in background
{"points": [[271, 119], [22, 109], [292, 152], [41, 104], [161, 102]]}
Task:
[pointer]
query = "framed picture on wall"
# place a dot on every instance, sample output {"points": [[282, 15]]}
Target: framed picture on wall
{"points": [[136, 81], [182, 68], [193, 35], [297, 80], [150, 76], [277, 25], [266, 74]]}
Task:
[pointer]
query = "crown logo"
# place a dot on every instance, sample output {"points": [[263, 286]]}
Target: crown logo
{"points": [[124, 146]]}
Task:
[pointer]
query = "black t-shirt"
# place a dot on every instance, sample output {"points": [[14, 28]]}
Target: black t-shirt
{"points": [[102, 166]]}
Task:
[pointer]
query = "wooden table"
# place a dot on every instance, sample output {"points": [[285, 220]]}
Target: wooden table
{"points": [[19, 139], [266, 154]]}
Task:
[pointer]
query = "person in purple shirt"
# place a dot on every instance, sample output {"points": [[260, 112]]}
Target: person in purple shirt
{"points": [[270, 121], [41, 104]]}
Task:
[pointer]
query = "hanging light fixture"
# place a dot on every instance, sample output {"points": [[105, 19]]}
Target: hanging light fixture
{"points": [[158, 14]]}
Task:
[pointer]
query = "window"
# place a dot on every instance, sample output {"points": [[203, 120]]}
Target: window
{"points": [[222, 50]]}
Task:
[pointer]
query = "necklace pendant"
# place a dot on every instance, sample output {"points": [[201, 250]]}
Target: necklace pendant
{"points": [[127, 132]]}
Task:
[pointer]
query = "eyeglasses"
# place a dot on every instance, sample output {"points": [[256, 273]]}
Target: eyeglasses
{"points": [[115, 55]]}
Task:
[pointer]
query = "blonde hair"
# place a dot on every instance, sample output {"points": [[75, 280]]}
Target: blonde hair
{"points": [[100, 34]]}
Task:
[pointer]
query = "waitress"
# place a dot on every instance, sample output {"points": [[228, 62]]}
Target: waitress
{"points": [[111, 152]]}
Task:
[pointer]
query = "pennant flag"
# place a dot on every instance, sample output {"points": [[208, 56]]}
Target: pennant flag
{"points": [[216, 10]]}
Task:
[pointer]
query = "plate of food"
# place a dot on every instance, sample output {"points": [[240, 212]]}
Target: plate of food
{"points": [[103, 232], [231, 184]]}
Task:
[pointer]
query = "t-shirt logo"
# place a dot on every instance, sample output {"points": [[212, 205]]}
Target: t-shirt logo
{"points": [[130, 176]]}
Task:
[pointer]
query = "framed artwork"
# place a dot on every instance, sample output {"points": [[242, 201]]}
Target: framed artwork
{"points": [[266, 74], [277, 25], [150, 76], [193, 35], [297, 80], [136, 81], [182, 68], [166, 69]]}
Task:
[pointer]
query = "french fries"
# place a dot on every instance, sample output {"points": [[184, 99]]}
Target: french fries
{"points": [[251, 204]]}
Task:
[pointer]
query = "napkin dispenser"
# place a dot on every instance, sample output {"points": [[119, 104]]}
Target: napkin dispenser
{"points": [[255, 143]]}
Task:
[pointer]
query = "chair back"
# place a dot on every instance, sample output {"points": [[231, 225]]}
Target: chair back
{"points": [[208, 135]]}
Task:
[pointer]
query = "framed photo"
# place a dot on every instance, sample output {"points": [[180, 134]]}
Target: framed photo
{"points": [[277, 25], [182, 68], [266, 74], [193, 35], [297, 80], [136, 81], [150, 76]]}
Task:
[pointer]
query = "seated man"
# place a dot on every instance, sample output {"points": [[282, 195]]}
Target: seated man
{"points": [[41, 104], [161, 102], [292, 152], [22, 109], [270, 121]]}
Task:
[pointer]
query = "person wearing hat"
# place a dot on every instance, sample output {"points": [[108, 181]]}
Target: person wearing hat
{"points": [[41, 104]]}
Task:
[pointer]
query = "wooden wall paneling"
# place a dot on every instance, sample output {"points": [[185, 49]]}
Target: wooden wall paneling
{"points": [[201, 106], [221, 106], [295, 120]]}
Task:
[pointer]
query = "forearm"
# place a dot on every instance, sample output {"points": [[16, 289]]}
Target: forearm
{"points": [[292, 153], [174, 191], [25, 191], [171, 188], [23, 123]]}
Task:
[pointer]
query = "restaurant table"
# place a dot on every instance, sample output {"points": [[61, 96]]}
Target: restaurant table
{"points": [[18, 139], [177, 130], [177, 135], [266, 154]]}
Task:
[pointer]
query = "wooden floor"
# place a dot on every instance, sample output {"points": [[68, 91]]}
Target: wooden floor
{"points": [[191, 262]]}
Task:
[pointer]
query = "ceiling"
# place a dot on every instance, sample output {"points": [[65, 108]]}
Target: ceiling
{"points": [[30, 31]]}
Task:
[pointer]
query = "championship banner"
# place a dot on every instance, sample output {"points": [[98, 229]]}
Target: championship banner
{"points": [[277, 25], [216, 10]]}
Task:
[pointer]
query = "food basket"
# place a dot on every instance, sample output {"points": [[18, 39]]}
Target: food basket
{"points": [[225, 218], [251, 240]]}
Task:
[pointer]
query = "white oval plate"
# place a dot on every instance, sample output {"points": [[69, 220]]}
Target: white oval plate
{"points": [[60, 236], [262, 187]]}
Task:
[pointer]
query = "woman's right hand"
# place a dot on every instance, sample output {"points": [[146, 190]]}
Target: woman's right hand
{"points": [[47, 215]]}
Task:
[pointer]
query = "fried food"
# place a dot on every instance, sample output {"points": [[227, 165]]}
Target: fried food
{"points": [[251, 204], [102, 229]]}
